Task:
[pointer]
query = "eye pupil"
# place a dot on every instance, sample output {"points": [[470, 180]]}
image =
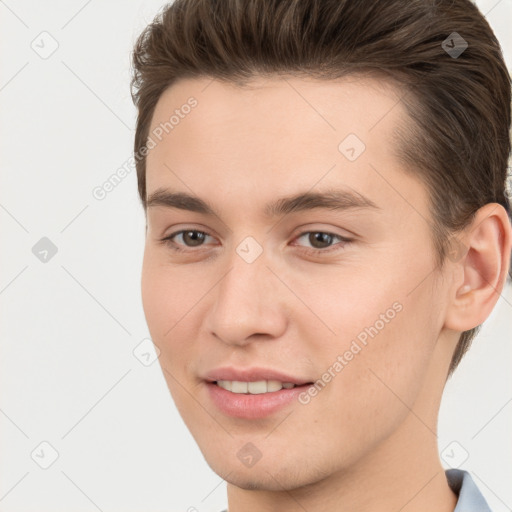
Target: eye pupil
{"points": [[197, 237], [318, 236]]}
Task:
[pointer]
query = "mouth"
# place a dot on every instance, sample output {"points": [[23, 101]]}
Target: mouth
{"points": [[258, 387], [252, 400]]}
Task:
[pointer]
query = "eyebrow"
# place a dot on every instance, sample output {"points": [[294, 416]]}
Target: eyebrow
{"points": [[331, 199]]}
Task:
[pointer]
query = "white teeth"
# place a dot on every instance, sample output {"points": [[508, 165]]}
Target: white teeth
{"points": [[239, 387], [274, 385], [226, 384], [254, 388]]}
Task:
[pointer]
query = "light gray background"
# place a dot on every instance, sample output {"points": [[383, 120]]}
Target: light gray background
{"points": [[69, 326]]}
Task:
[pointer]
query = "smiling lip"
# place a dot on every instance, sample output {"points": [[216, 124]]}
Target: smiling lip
{"points": [[240, 405], [249, 406]]}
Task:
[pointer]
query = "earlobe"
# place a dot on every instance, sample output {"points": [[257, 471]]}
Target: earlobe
{"points": [[483, 267]]}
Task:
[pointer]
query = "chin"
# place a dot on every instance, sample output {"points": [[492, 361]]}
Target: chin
{"points": [[256, 482], [268, 476], [250, 484]]}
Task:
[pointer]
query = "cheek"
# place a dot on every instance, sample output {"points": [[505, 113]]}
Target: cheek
{"points": [[170, 301], [163, 305], [155, 300], [160, 304], [166, 293], [386, 337], [374, 392]]}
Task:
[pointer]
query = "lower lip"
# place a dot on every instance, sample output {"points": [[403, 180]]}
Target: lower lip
{"points": [[249, 406]]}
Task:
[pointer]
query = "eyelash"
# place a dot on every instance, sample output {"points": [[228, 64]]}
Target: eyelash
{"points": [[172, 245]]}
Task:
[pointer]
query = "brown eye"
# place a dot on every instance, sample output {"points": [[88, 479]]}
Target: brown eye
{"points": [[191, 238], [195, 237], [321, 241]]}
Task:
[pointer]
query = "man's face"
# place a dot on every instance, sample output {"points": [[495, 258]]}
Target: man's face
{"points": [[363, 316]]}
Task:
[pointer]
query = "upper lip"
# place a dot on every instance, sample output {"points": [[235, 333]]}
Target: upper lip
{"points": [[251, 375]]}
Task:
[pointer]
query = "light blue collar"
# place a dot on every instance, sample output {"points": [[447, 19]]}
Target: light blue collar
{"points": [[470, 497]]}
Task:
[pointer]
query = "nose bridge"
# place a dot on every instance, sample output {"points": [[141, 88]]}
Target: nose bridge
{"points": [[245, 301]]}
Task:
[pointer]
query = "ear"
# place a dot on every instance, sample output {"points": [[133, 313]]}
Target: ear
{"points": [[481, 255]]}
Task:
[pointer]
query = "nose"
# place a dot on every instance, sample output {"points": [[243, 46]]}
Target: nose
{"points": [[248, 303]]}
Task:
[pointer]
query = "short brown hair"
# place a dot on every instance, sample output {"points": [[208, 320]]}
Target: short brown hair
{"points": [[459, 104]]}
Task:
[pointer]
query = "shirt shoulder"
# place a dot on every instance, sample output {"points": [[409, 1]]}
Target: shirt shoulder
{"points": [[470, 499]]}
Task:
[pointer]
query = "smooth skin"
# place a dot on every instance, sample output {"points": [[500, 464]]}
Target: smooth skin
{"points": [[367, 441]]}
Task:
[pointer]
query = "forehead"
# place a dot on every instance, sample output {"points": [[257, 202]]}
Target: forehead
{"points": [[275, 134], [301, 105]]}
